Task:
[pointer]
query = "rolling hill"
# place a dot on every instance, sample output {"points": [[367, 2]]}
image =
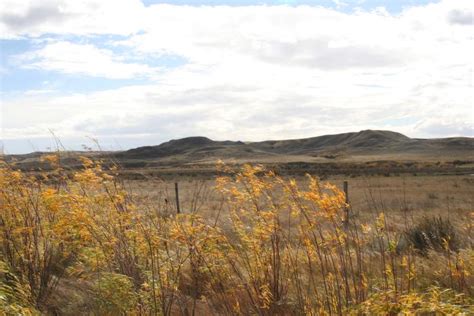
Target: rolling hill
{"points": [[364, 152], [367, 145]]}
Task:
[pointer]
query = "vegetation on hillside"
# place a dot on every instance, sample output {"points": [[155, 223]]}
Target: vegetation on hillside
{"points": [[82, 241]]}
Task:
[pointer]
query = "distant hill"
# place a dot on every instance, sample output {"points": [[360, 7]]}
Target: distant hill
{"points": [[367, 144], [363, 146], [362, 141], [183, 146]]}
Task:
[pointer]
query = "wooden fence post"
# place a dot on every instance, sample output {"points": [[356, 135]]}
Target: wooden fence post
{"points": [[346, 209], [176, 192], [346, 191]]}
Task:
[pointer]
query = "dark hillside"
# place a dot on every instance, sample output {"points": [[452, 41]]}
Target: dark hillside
{"points": [[364, 143]]}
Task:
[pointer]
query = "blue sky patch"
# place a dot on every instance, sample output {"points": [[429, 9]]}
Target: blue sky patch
{"points": [[392, 6]]}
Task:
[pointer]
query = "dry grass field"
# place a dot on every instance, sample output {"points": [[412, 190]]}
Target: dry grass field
{"points": [[246, 242], [405, 199], [421, 195]]}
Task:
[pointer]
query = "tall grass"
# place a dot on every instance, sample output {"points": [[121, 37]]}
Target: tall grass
{"points": [[276, 248]]}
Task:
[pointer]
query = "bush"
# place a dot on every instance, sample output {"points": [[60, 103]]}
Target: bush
{"points": [[433, 233], [114, 294]]}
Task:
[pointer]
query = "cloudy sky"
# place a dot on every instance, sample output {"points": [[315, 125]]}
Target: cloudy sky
{"points": [[132, 73]]}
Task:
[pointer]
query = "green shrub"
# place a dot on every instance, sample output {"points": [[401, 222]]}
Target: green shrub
{"points": [[114, 294]]}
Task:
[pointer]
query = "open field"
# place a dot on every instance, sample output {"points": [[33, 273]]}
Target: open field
{"points": [[247, 242], [420, 195], [404, 199], [263, 229]]}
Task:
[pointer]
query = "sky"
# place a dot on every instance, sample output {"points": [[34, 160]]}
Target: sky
{"points": [[128, 73]]}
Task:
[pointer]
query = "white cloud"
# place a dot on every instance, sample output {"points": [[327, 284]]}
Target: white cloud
{"points": [[86, 59], [446, 126], [461, 16], [82, 17], [254, 72]]}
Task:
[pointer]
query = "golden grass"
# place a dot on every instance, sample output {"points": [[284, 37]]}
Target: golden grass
{"points": [[255, 243]]}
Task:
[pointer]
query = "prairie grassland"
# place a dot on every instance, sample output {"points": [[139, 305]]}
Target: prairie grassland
{"points": [[399, 196], [251, 243]]}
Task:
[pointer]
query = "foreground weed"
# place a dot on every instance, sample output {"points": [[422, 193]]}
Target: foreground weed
{"points": [[278, 248]]}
